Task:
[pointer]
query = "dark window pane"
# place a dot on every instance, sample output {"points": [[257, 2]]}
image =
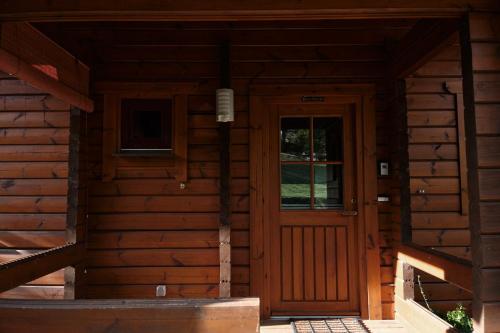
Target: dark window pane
{"points": [[295, 186], [328, 139], [328, 189], [295, 139], [146, 124]]}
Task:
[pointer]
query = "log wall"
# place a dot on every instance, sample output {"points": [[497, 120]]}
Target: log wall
{"points": [[143, 230], [34, 135], [484, 77]]}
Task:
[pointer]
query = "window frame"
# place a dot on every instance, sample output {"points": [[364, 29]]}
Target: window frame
{"points": [[173, 161]]}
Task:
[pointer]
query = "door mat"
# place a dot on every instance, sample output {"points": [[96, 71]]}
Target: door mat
{"points": [[334, 325]]}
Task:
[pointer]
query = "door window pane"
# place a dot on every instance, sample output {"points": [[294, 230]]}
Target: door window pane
{"points": [[328, 189], [295, 139], [295, 186], [327, 139]]}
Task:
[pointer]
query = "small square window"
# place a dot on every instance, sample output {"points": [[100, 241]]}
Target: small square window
{"points": [[146, 125]]}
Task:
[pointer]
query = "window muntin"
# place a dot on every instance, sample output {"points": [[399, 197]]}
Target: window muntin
{"points": [[311, 178]]}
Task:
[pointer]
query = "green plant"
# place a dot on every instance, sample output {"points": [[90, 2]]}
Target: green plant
{"points": [[460, 319]]}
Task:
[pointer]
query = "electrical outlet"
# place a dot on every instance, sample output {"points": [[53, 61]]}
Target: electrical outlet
{"points": [[161, 291]]}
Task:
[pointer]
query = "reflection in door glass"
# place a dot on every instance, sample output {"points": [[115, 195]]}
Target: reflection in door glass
{"points": [[295, 186], [295, 139], [327, 139], [328, 186]]}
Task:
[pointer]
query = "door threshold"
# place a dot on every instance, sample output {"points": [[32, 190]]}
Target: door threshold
{"points": [[282, 318]]}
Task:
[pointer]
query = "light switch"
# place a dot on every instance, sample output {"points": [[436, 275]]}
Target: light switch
{"points": [[384, 168]]}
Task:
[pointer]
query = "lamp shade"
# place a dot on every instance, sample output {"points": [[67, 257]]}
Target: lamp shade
{"points": [[225, 105]]}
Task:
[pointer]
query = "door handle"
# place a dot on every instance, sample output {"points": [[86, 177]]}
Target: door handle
{"points": [[349, 213]]}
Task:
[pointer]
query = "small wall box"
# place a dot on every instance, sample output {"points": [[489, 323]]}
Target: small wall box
{"points": [[383, 168]]}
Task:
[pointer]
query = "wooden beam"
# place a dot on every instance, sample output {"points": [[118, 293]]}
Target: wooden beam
{"points": [[419, 45], [225, 183], [130, 316], [447, 268], [105, 10], [21, 271], [29, 55]]}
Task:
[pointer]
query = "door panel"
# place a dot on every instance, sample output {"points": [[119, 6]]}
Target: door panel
{"points": [[312, 200]]}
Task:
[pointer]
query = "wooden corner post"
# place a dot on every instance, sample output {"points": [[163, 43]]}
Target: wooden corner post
{"points": [[76, 216], [225, 183]]}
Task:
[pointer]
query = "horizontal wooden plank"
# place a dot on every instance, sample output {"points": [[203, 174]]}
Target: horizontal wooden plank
{"points": [[163, 275], [435, 185], [490, 217], [13, 86], [26, 119], [432, 118], [164, 187], [34, 136], [488, 184], [32, 153], [210, 35], [149, 291], [163, 221], [433, 169], [490, 250], [198, 169], [490, 281], [34, 204], [34, 187], [432, 135], [211, 136], [487, 118], [486, 87], [161, 204], [240, 53], [34, 221], [178, 71], [439, 221], [432, 151], [415, 85], [33, 170], [163, 239], [430, 102], [42, 102], [485, 57], [442, 68], [435, 203], [441, 237], [488, 151], [484, 27], [163, 257]]}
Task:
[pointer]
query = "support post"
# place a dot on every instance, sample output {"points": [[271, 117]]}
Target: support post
{"points": [[76, 215], [225, 183]]}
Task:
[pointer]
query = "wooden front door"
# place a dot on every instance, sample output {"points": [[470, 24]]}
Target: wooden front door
{"points": [[313, 208]]}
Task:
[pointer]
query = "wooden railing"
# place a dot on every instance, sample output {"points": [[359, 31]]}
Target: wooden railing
{"points": [[453, 270], [20, 271]]}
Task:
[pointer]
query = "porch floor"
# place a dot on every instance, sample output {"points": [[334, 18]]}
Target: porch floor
{"points": [[372, 326]]}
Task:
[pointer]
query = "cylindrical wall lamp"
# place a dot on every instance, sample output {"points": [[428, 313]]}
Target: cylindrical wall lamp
{"points": [[225, 105]]}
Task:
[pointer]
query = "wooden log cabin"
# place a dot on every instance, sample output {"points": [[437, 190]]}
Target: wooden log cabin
{"points": [[361, 167]]}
